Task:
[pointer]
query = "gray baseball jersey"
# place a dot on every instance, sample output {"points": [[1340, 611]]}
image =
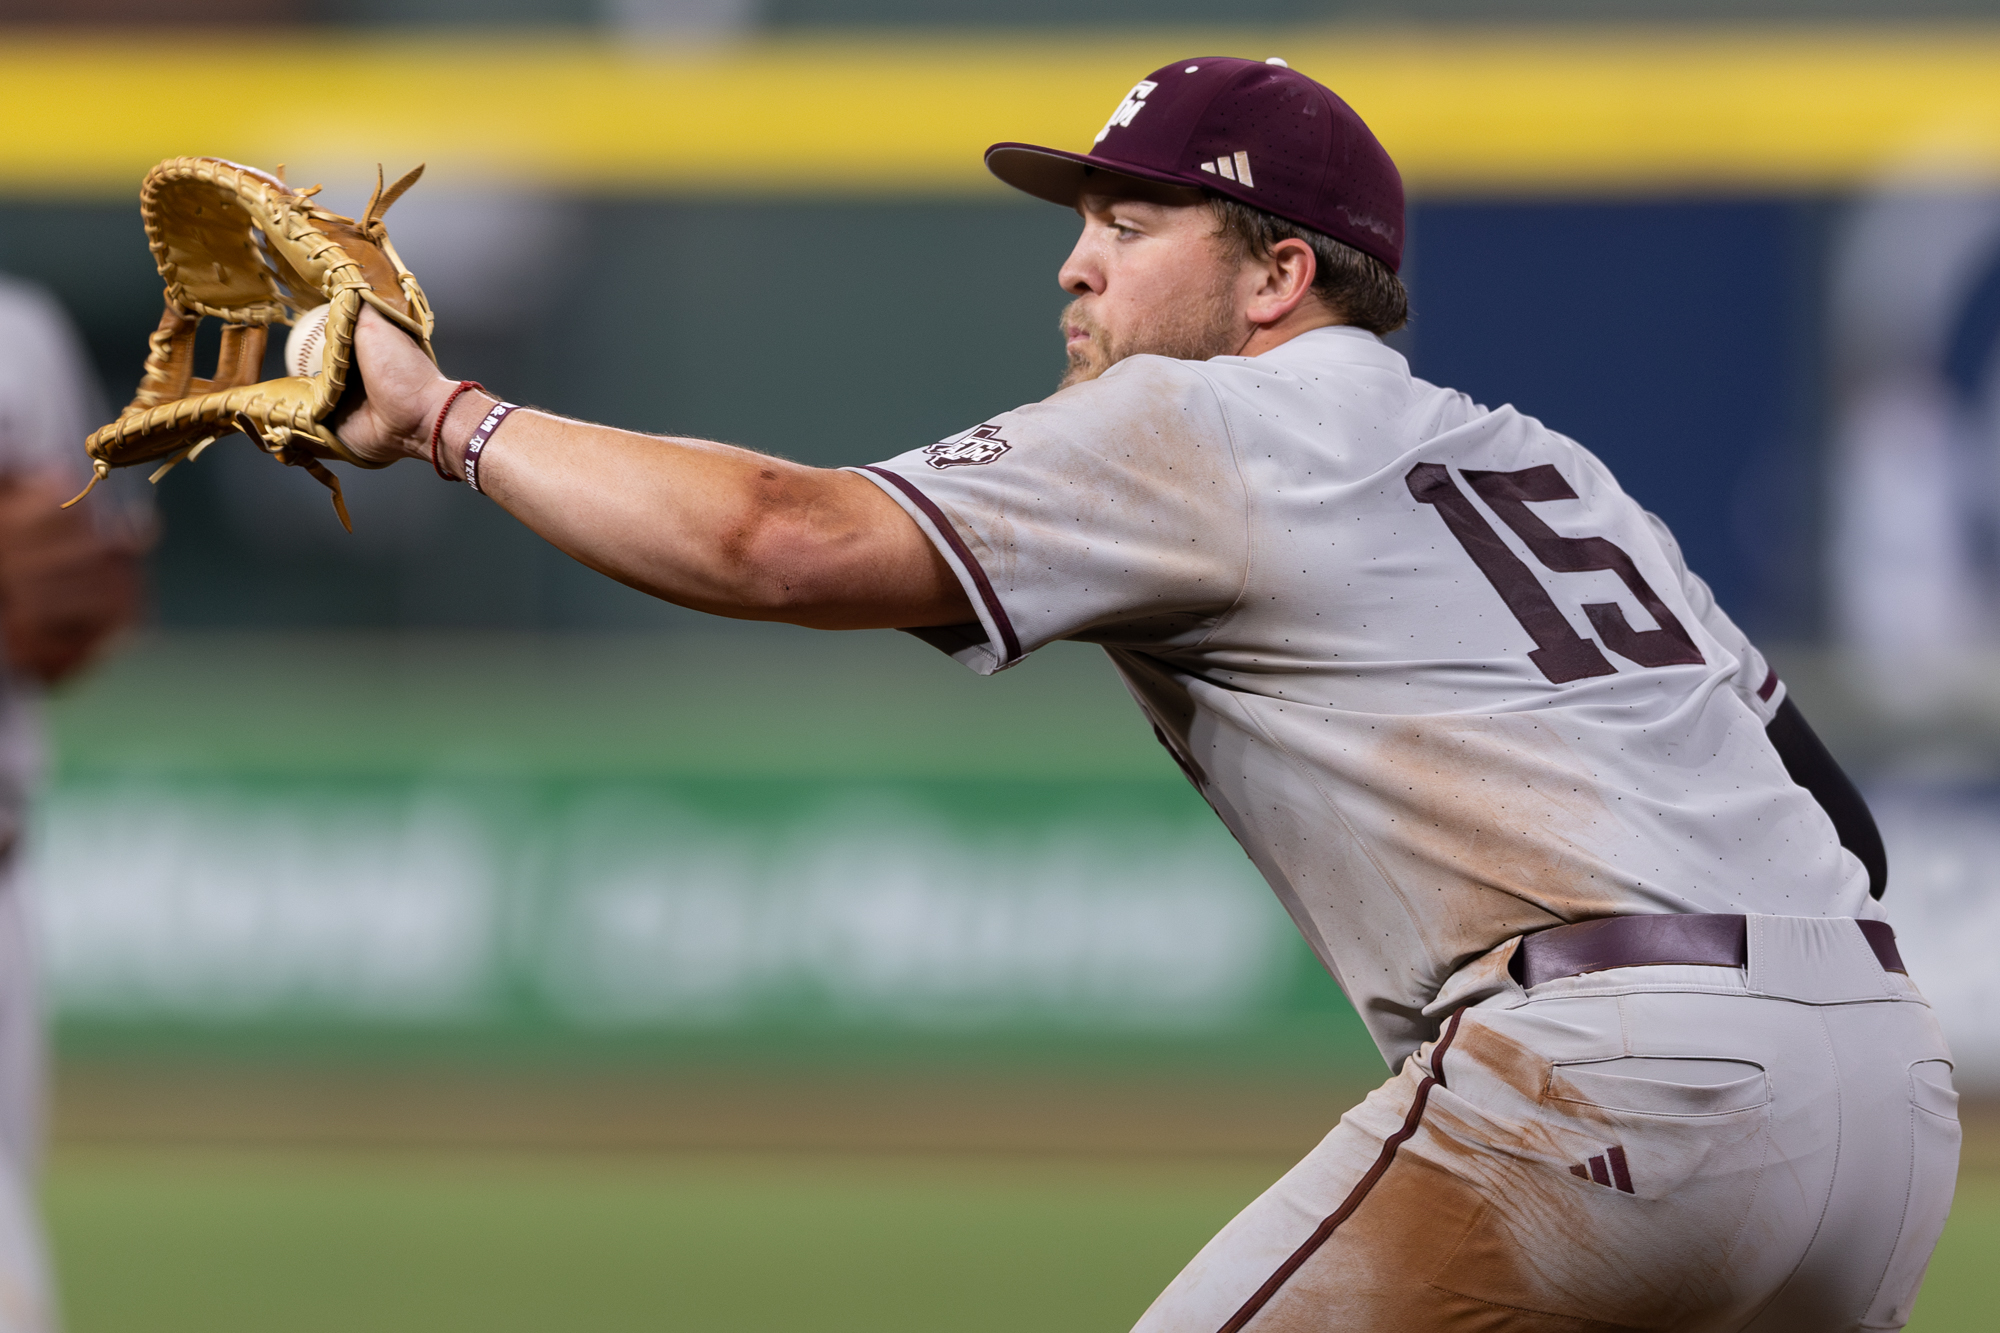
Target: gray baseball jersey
{"points": [[1444, 680]]}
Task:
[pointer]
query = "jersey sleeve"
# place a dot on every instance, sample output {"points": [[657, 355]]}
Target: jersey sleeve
{"points": [[1755, 681], [1113, 511]]}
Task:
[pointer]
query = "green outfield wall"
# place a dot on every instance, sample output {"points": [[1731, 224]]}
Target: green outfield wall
{"points": [[761, 835]]}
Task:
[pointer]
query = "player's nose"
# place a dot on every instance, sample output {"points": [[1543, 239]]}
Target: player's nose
{"points": [[1079, 274]]}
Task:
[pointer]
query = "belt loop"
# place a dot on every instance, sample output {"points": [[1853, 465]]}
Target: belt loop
{"points": [[1815, 960]]}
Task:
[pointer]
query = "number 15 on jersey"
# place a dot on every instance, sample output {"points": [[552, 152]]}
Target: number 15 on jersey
{"points": [[1560, 653]]}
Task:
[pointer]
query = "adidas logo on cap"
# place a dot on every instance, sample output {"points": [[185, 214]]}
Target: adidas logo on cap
{"points": [[1236, 168]]}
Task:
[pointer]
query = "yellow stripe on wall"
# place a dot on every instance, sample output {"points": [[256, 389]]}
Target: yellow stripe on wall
{"points": [[1502, 111]]}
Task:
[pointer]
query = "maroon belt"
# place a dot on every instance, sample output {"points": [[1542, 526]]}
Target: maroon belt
{"points": [[1650, 941]]}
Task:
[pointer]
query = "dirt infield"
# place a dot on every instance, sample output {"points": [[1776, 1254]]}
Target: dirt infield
{"points": [[1066, 1112], [707, 1110]]}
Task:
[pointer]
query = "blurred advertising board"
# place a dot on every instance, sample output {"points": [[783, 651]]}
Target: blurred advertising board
{"points": [[739, 836], [941, 906]]}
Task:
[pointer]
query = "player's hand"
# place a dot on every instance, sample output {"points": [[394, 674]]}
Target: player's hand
{"points": [[66, 583], [393, 397]]}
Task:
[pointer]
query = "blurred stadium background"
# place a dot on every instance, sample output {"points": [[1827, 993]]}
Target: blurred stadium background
{"points": [[441, 936]]}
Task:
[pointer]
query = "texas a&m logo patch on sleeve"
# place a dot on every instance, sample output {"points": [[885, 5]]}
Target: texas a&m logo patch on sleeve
{"points": [[980, 445]]}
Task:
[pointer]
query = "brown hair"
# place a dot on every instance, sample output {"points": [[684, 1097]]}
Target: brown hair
{"points": [[1358, 287]]}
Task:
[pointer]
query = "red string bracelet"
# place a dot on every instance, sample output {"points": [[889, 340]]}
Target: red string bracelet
{"points": [[437, 428]]}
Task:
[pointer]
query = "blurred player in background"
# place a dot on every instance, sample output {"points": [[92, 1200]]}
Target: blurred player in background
{"points": [[1607, 907], [69, 580]]}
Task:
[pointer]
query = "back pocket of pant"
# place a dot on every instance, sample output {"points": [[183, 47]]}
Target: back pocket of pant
{"points": [[1663, 1122], [1650, 1085], [1934, 1143], [1631, 1165]]}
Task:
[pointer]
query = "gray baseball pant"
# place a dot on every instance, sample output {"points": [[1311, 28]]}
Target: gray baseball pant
{"points": [[1769, 1149]]}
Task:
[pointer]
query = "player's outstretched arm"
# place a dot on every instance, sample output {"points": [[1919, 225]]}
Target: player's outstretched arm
{"points": [[705, 525]]}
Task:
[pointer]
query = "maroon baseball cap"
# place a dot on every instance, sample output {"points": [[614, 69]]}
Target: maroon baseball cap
{"points": [[1255, 131]]}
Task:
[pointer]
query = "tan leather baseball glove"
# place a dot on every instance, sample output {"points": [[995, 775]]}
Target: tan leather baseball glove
{"points": [[241, 246]]}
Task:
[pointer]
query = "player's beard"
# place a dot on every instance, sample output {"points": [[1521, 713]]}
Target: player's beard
{"points": [[1196, 329]]}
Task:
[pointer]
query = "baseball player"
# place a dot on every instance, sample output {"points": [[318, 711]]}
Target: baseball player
{"points": [[1607, 908], [68, 580]]}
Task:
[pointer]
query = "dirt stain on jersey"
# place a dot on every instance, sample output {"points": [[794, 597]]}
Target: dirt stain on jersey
{"points": [[1150, 478], [1490, 822]]}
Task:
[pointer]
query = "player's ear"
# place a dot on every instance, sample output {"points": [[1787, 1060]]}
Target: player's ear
{"points": [[1286, 280]]}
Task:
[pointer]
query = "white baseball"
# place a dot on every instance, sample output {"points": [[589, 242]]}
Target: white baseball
{"points": [[306, 342]]}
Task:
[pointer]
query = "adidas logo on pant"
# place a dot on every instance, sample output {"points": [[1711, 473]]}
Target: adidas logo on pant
{"points": [[1609, 1169]]}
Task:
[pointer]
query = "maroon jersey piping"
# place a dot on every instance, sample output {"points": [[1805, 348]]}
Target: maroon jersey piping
{"points": [[1008, 642]]}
